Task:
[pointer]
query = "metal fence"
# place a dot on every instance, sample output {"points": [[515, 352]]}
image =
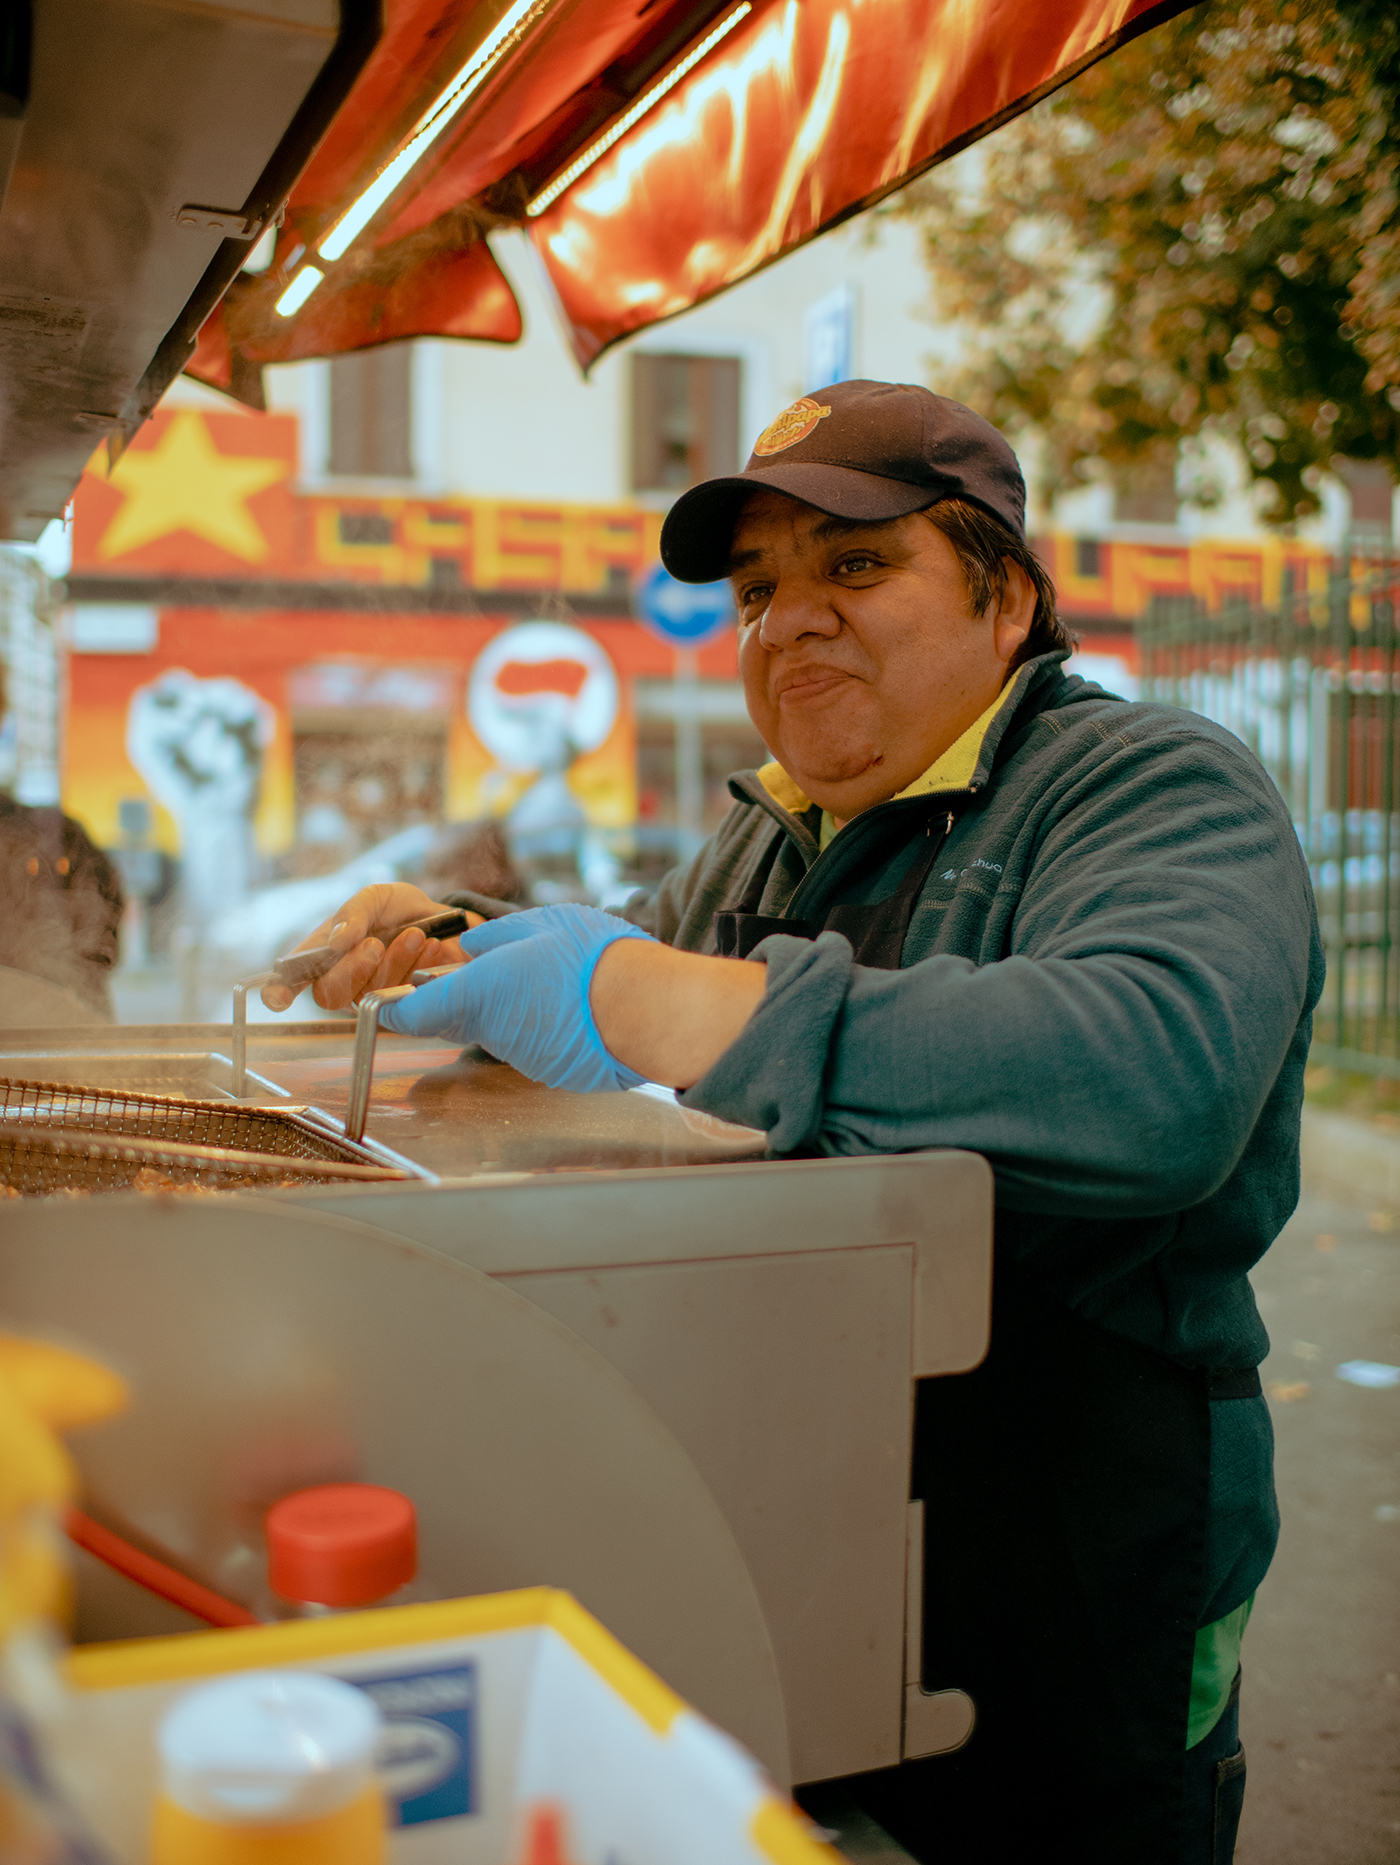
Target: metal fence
{"points": [[1311, 686]]}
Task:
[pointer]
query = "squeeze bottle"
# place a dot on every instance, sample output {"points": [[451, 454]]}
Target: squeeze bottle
{"points": [[340, 1547], [270, 1768]]}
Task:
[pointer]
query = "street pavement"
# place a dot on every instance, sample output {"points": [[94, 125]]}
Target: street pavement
{"points": [[1320, 1705]]}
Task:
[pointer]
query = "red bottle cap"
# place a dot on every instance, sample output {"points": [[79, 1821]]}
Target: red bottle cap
{"points": [[344, 1544]]}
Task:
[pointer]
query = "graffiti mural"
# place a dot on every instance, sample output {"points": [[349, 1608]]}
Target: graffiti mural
{"points": [[199, 746]]}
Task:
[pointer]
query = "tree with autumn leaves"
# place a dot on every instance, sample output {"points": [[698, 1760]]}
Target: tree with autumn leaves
{"points": [[1199, 237]]}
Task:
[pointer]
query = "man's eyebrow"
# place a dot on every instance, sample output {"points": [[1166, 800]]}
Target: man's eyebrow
{"points": [[842, 527], [823, 533]]}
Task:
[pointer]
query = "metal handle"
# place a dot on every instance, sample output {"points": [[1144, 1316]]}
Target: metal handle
{"points": [[240, 1040], [362, 1061], [240, 1032]]}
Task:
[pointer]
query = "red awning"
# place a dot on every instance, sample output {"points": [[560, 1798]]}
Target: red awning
{"points": [[747, 127]]}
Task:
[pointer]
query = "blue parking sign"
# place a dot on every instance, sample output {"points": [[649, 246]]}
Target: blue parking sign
{"points": [[684, 614]]}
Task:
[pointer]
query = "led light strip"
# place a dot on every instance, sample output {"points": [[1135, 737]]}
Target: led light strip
{"points": [[300, 289], [596, 151], [504, 37]]}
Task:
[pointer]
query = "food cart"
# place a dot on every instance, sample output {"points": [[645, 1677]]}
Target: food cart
{"points": [[767, 1320], [605, 1343]]}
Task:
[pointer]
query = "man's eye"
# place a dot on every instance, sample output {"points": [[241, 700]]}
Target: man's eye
{"points": [[857, 564], [753, 593]]}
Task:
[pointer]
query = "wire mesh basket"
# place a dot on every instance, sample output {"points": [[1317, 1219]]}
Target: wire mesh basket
{"points": [[35, 1160], [176, 1118], [57, 1136]]}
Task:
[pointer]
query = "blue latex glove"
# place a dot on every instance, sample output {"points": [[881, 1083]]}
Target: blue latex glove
{"points": [[524, 996]]}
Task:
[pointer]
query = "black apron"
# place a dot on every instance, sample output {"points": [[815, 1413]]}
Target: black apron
{"points": [[876, 931], [1066, 1489]]}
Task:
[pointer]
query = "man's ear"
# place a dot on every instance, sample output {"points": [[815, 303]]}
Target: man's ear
{"points": [[1015, 612]]}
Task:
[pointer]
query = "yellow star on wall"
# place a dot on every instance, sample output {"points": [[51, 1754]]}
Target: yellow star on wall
{"points": [[185, 484]]}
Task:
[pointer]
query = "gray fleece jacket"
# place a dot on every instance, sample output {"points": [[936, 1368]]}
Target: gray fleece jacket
{"points": [[1107, 990]]}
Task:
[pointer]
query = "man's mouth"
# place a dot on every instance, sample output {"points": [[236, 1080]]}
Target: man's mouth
{"points": [[803, 683]]}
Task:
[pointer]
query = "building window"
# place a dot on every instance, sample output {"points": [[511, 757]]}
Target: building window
{"points": [[1086, 557], [371, 426], [685, 420], [1372, 502], [1146, 491]]}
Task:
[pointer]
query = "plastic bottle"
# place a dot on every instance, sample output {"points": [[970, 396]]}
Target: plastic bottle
{"points": [[340, 1548], [43, 1390], [270, 1768]]}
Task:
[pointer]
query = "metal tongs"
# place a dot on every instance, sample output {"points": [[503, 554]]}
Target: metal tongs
{"points": [[298, 969]]}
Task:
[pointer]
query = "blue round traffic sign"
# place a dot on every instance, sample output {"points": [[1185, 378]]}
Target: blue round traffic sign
{"points": [[683, 614]]}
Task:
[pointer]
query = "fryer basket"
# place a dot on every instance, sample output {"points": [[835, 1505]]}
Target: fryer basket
{"points": [[58, 1136]]}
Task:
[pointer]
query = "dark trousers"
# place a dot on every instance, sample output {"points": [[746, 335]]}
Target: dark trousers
{"points": [[1213, 1793], [1212, 1796]]}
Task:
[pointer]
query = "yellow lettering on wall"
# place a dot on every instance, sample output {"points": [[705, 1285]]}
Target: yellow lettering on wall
{"points": [[386, 559], [517, 547], [432, 531]]}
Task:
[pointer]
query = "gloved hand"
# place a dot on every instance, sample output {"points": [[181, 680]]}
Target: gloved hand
{"points": [[524, 996]]}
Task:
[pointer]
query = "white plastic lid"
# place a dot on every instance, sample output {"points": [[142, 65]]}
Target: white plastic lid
{"points": [[268, 1746]]}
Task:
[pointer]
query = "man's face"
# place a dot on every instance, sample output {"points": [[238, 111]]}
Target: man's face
{"points": [[861, 658]]}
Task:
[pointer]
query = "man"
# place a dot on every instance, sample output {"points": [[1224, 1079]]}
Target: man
{"points": [[975, 903]]}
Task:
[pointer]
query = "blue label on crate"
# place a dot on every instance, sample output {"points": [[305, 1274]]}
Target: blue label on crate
{"points": [[427, 1749]]}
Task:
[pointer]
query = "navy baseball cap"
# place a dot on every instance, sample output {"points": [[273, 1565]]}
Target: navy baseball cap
{"points": [[862, 450]]}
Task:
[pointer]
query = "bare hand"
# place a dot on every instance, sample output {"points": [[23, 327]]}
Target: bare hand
{"points": [[366, 964]]}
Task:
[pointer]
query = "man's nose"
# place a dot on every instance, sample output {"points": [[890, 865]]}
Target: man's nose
{"points": [[797, 609]]}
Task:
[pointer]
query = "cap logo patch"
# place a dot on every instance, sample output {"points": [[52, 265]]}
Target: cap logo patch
{"points": [[792, 425]]}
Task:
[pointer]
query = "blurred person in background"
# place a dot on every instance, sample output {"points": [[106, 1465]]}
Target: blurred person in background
{"points": [[473, 860], [63, 910]]}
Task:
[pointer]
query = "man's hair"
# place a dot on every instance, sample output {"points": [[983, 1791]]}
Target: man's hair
{"points": [[983, 547]]}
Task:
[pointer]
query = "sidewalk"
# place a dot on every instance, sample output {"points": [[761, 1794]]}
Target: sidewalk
{"points": [[1353, 1158], [1320, 1708]]}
